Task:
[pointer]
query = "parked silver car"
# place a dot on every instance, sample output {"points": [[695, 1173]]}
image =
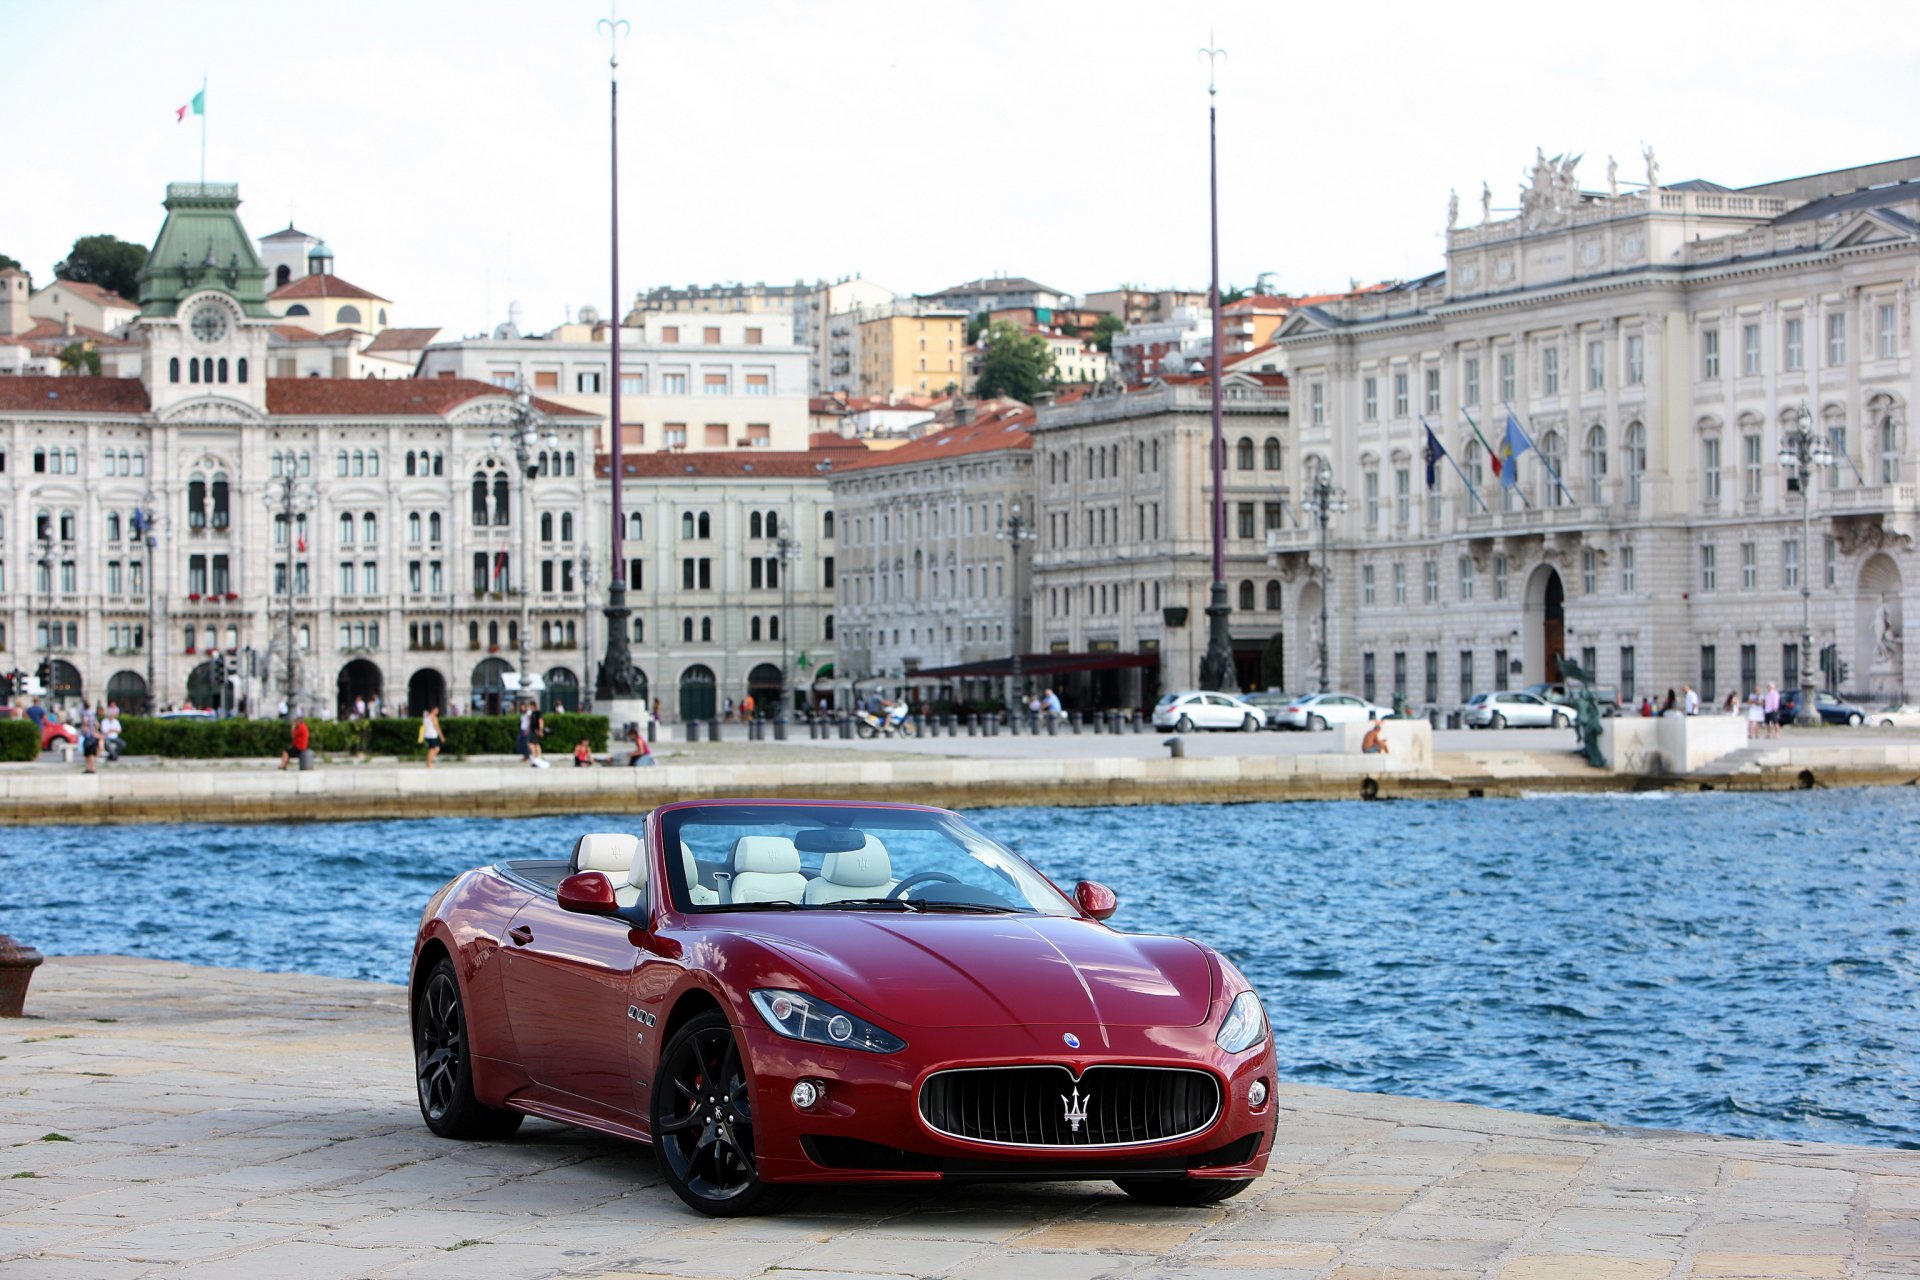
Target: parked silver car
{"points": [[1514, 709], [1324, 710], [1196, 709]]}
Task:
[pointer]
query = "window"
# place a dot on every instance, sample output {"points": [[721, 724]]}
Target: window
{"points": [[1710, 468], [1466, 577], [1433, 391], [674, 435], [710, 334], [1402, 495], [1471, 377], [1750, 349], [1708, 677], [1750, 666], [1554, 464], [1271, 458], [1317, 404], [1273, 595], [1750, 465], [1466, 674], [1596, 465], [1749, 566], [1500, 576], [1627, 575], [222, 576], [1596, 366], [1246, 596], [1710, 354], [1506, 377], [1366, 676], [1636, 461], [1889, 331], [433, 526], [1373, 499], [196, 575], [1433, 582], [1589, 570], [1550, 371], [1245, 519], [669, 333], [714, 384], [1400, 674], [1626, 673], [1709, 568], [1636, 359], [1433, 676], [632, 383], [1366, 584], [1400, 394], [369, 527], [1399, 583], [1243, 455], [1836, 339], [1832, 561], [1370, 398], [1790, 564], [673, 384], [1793, 344]]}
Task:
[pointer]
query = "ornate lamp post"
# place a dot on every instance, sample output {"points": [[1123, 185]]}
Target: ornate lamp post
{"points": [[524, 435], [286, 498], [1216, 668], [1016, 531], [1801, 450], [787, 549], [1324, 502], [589, 578]]}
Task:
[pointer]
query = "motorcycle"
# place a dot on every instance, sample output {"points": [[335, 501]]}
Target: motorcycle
{"points": [[890, 723]]}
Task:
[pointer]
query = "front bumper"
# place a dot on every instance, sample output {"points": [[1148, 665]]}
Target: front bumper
{"points": [[868, 1127]]}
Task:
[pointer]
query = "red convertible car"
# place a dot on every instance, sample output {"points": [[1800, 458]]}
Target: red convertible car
{"points": [[779, 993]]}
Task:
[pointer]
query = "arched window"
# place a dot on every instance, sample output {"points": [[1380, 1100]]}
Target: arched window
{"points": [[686, 524], [369, 527], [223, 368], [241, 371], [197, 501], [112, 465], [1550, 456], [359, 463], [706, 630], [479, 498], [1636, 461], [639, 630], [753, 525], [826, 524], [1596, 465], [686, 630], [546, 526], [1246, 588], [566, 526], [773, 524], [69, 528], [569, 462], [346, 527], [173, 369], [829, 627], [500, 497], [113, 526], [635, 526], [1273, 595], [773, 627], [413, 526], [433, 526], [383, 315], [706, 525], [1272, 459], [753, 627], [73, 463], [409, 463], [347, 314], [1243, 454], [193, 369], [340, 463], [282, 276], [298, 309], [220, 500]]}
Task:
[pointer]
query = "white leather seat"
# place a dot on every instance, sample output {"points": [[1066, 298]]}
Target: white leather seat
{"points": [[616, 855], [863, 873], [766, 869], [697, 893]]}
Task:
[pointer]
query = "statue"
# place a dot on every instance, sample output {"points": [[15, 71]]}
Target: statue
{"points": [[1453, 209], [1486, 204], [1613, 176], [1586, 720], [1889, 646], [1653, 168]]}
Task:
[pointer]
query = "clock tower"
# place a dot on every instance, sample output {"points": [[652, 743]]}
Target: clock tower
{"points": [[203, 309]]}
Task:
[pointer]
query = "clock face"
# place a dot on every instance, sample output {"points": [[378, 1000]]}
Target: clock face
{"points": [[209, 324]]}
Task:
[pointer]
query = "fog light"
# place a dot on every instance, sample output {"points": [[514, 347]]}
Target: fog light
{"points": [[807, 1094], [1256, 1093]]}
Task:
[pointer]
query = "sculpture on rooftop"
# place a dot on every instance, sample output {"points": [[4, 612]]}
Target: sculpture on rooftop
{"points": [[1653, 167], [1453, 209], [1486, 204]]}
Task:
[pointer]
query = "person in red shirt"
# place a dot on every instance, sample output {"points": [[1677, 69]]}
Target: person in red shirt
{"points": [[296, 743]]}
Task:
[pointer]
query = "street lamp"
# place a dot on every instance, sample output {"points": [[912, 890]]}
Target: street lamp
{"points": [[44, 562], [1801, 450], [1216, 667], [589, 577], [286, 498], [524, 435], [786, 548], [1324, 502], [1016, 531]]}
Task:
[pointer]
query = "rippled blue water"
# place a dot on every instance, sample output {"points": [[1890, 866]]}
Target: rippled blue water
{"points": [[1736, 963]]}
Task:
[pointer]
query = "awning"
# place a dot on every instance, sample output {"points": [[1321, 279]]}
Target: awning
{"points": [[1043, 664]]}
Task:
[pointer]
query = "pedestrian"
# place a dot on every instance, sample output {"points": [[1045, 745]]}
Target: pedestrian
{"points": [[1732, 705], [536, 734], [1756, 715], [658, 710], [296, 743], [746, 707], [37, 714], [1666, 708], [641, 755], [583, 754], [110, 732], [359, 708], [1771, 704], [1646, 706], [430, 735], [1691, 700], [727, 713], [90, 747], [1050, 703]]}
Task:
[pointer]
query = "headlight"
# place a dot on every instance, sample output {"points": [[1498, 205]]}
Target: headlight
{"points": [[808, 1018], [1245, 1023]]}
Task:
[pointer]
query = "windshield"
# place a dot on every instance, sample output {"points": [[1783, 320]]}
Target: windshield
{"points": [[830, 857]]}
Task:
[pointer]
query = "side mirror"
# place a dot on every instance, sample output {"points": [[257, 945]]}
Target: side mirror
{"points": [[1095, 899], [589, 892]]}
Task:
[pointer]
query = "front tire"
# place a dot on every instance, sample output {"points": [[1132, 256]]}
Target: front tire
{"points": [[1854, 719], [1249, 724], [1560, 721], [443, 1064], [1183, 1192], [702, 1113], [1183, 725], [1497, 721], [864, 729], [1315, 724]]}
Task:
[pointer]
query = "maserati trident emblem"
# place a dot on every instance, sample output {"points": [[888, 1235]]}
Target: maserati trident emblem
{"points": [[1076, 1109], [1073, 1041]]}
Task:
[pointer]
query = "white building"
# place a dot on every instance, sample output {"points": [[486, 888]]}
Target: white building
{"points": [[1146, 350], [1657, 345]]}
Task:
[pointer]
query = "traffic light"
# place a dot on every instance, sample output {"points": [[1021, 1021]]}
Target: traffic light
{"points": [[44, 672]]}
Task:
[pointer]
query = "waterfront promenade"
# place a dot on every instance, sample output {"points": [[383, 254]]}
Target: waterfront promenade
{"points": [[161, 1120], [959, 772]]}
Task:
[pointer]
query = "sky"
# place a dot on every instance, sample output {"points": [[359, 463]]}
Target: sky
{"points": [[455, 155]]}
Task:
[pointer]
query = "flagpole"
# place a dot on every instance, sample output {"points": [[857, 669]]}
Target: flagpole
{"points": [[203, 131], [1515, 418]]}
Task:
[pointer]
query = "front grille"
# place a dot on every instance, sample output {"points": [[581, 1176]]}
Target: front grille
{"points": [[1029, 1106]]}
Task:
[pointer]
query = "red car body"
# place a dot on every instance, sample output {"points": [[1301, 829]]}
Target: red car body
{"points": [[567, 1011]]}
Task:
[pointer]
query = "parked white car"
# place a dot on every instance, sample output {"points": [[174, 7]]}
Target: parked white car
{"points": [[1515, 710], [1196, 709], [1903, 715], [1324, 710]]}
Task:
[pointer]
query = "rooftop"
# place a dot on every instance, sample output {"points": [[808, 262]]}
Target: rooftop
{"points": [[323, 286]]}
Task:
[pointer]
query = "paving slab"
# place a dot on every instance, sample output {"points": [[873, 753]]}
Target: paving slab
{"points": [[232, 1124]]}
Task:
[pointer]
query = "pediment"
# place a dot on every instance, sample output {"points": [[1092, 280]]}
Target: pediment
{"points": [[1874, 226], [222, 411]]}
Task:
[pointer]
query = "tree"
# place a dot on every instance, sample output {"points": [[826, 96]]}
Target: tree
{"points": [[1017, 365], [1232, 294], [105, 260], [76, 356], [6, 262], [975, 327], [1104, 330]]}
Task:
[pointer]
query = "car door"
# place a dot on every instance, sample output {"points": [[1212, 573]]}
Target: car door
{"points": [[1221, 713], [568, 983]]}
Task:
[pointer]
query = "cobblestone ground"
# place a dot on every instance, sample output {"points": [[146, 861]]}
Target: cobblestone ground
{"points": [[162, 1120]]}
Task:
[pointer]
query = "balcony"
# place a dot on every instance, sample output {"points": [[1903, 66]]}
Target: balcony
{"points": [[1888, 499]]}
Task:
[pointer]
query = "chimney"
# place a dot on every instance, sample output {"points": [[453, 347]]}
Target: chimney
{"points": [[962, 413]]}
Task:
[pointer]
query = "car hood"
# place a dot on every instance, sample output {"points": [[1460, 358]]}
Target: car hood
{"points": [[997, 971]]}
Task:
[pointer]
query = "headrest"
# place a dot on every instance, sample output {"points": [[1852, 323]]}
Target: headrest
{"points": [[860, 869], [613, 852], [689, 865], [773, 855]]}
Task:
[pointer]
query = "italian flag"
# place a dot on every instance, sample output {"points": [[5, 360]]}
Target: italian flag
{"points": [[198, 106]]}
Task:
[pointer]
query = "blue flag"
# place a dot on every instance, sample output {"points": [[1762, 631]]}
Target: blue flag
{"points": [[1435, 452], [1515, 444]]}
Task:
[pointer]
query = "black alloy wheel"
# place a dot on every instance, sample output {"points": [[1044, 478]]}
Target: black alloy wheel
{"points": [[1249, 724], [443, 1064], [1184, 724], [1183, 1191], [702, 1116], [1498, 721]]}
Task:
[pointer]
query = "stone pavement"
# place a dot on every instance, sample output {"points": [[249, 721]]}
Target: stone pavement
{"points": [[162, 1120]]}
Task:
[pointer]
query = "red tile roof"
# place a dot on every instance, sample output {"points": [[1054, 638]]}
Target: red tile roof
{"points": [[833, 440], [388, 397], [402, 339], [294, 333], [1005, 429], [72, 395], [323, 287], [739, 464], [92, 293], [55, 331]]}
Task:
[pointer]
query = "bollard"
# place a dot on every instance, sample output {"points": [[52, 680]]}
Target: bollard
{"points": [[993, 726], [1433, 718], [780, 730], [1053, 726], [693, 731], [1176, 747], [1013, 724], [846, 725], [306, 760], [973, 725], [713, 731], [1137, 719], [1074, 720]]}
